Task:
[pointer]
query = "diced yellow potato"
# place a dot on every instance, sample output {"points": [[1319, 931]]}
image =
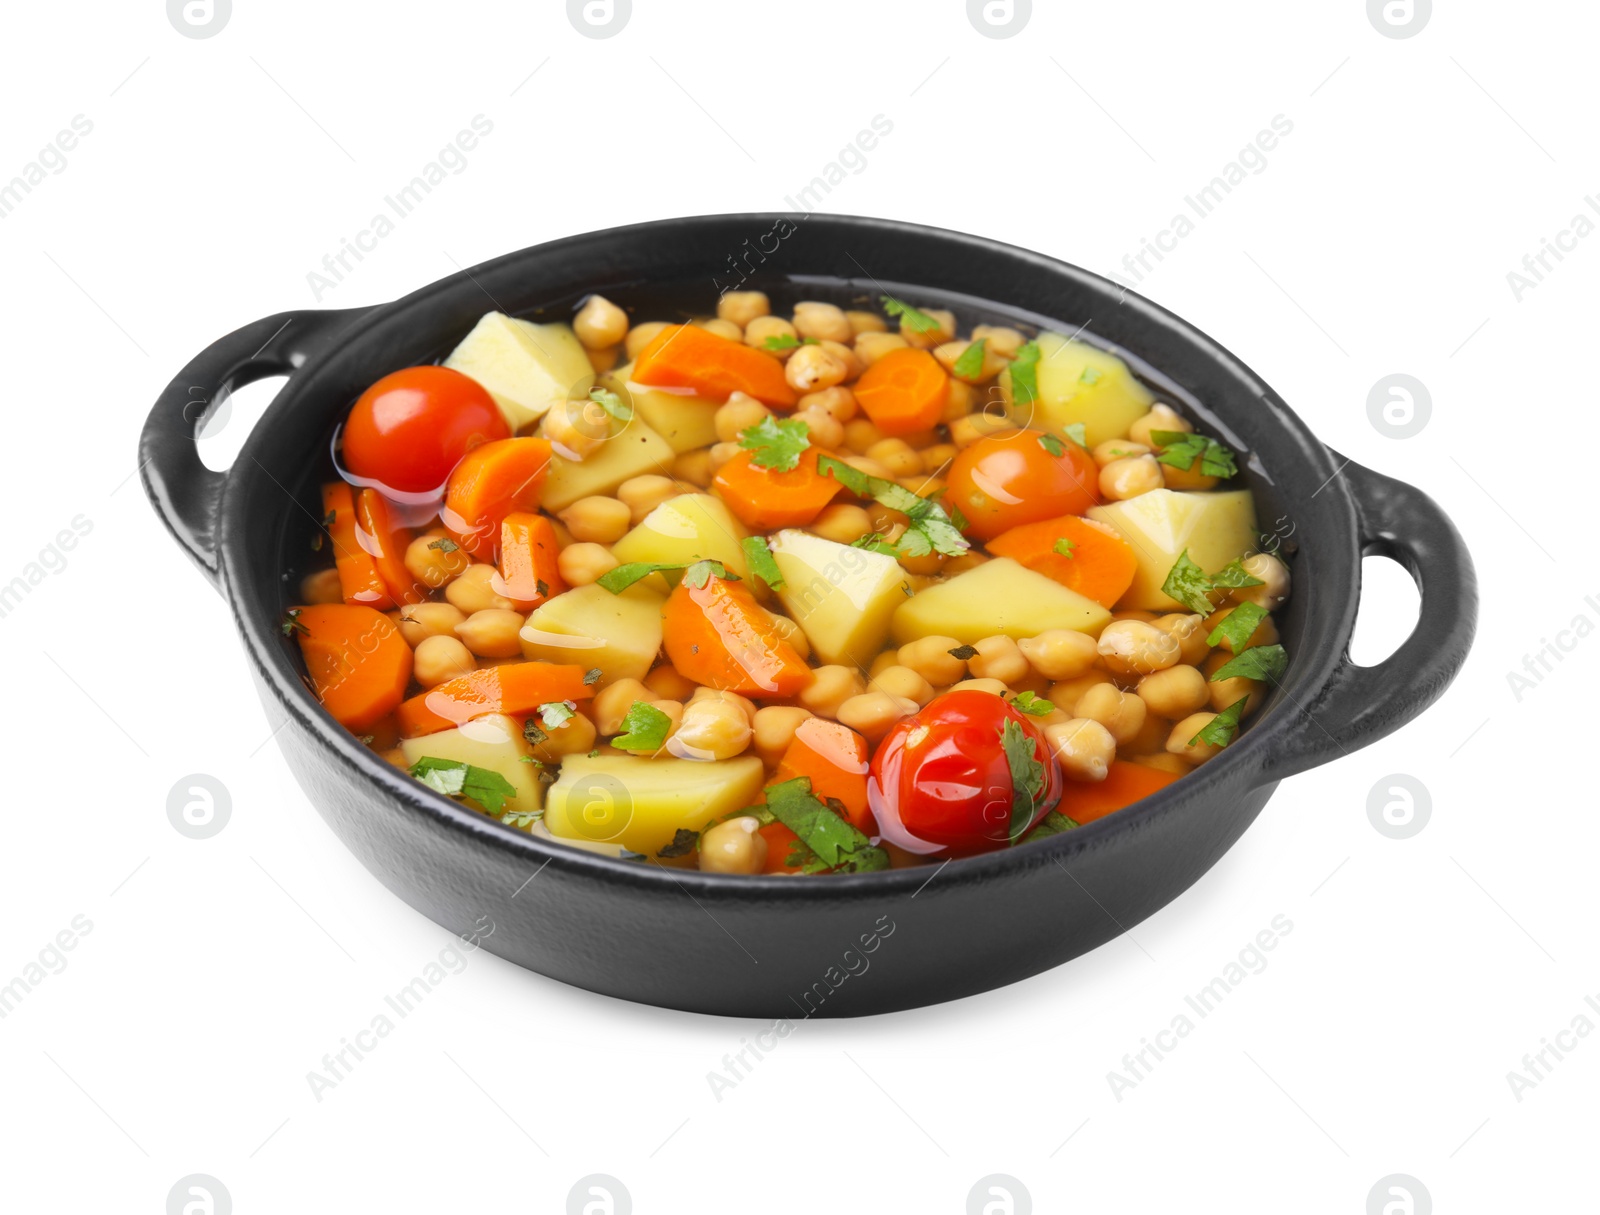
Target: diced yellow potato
{"points": [[526, 367], [690, 527], [685, 421], [1080, 383], [641, 803], [841, 597], [633, 452], [494, 742], [1215, 528], [998, 596], [591, 627], [538, 830]]}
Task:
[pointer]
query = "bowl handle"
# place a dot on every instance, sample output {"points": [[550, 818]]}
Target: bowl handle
{"points": [[185, 493], [1362, 704]]}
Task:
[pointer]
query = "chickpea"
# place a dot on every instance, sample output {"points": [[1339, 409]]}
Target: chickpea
{"points": [[597, 518], [574, 736], [1084, 747], [1060, 653], [773, 730], [927, 340], [843, 523], [736, 846], [1134, 614], [902, 683], [930, 657], [969, 560], [721, 453], [738, 415], [1117, 449], [1152, 736], [822, 428], [860, 434], [1190, 631], [853, 366], [937, 455], [641, 336], [668, 683], [825, 322], [742, 307], [793, 634], [829, 688], [812, 368], [998, 657], [866, 322], [1178, 742], [474, 590], [872, 468], [837, 402], [641, 495], [612, 702], [1129, 477], [968, 429], [694, 467], [872, 346], [758, 330], [1122, 713], [1001, 339], [321, 587], [420, 620], [1225, 692], [993, 686], [1266, 632], [492, 633], [871, 714], [1160, 417], [723, 329], [1133, 647], [569, 440], [600, 323], [710, 730], [1066, 693], [1274, 575], [1161, 761], [583, 563], [962, 399], [433, 559], [1176, 692], [439, 658], [603, 358], [897, 456]]}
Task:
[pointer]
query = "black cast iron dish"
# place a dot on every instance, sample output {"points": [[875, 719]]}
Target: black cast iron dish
{"points": [[776, 946]]}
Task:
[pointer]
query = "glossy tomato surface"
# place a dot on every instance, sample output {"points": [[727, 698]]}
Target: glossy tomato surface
{"points": [[1017, 477], [410, 428], [941, 783]]}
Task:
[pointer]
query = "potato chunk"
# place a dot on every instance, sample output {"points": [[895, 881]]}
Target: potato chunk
{"points": [[494, 742], [689, 527], [633, 452], [591, 627], [687, 422], [841, 597], [998, 596], [1081, 383], [526, 367], [1160, 525], [640, 803]]}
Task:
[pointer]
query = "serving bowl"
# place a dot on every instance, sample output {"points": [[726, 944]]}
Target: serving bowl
{"points": [[774, 946]]}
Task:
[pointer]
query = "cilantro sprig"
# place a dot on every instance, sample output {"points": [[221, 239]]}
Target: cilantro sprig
{"points": [[1239, 626], [762, 564], [1263, 662], [777, 445], [1027, 777], [1181, 450], [1219, 731], [454, 778], [645, 728], [1063, 547], [1025, 374], [1033, 706], [1192, 586], [613, 404], [1054, 823], [930, 528], [557, 713], [912, 318], [787, 341], [830, 839], [699, 572], [683, 843], [970, 365]]}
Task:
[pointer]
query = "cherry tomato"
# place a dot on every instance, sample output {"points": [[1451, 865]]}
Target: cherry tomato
{"points": [[941, 783], [1011, 478], [410, 428]]}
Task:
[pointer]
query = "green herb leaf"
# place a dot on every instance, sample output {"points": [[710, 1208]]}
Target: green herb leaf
{"points": [[911, 318], [1188, 584], [444, 544], [454, 778], [1089, 376], [541, 588], [1263, 662], [1219, 731], [521, 819], [777, 444], [1027, 777], [1239, 626], [557, 713], [1181, 450], [292, 623], [592, 676], [787, 341], [1053, 445], [645, 728], [702, 572], [964, 652], [1078, 433], [874, 543], [620, 579], [532, 734], [930, 529], [683, 843], [1025, 374], [611, 403], [1234, 575], [761, 561], [1033, 706], [970, 365], [828, 835], [1054, 823], [1063, 547]]}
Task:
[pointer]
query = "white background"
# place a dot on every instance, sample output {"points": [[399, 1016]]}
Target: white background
{"points": [[217, 974]]}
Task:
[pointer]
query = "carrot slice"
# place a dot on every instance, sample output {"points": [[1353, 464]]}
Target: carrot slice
{"points": [[720, 636], [360, 582], [358, 662], [904, 391], [490, 483], [835, 758], [687, 356], [1125, 783], [1099, 564], [515, 687], [386, 544], [529, 573], [765, 499]]}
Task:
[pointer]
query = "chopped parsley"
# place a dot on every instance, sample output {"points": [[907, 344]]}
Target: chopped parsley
{"points": [[1027, 777], [454, 778], [292, 623], [1063, 547], [1078, 433], [910, 318], [964, 652], [777, 445], [1054, 823], [1192, 586], [620, 579], [612, 404], [1025, 374], [532, 734], [592, 676], [1089, 376], [557, 713], [1181, 450], [929, 530], [521, 819], [787, 341], [761, 561], [444, 544], [1234, 575], [874, 543], [829, 837], [1219, 731], [1053, 445], [645, 728], [1263, 662], [1033, 706], [1238, 627], [970, 365], [683, 843]]}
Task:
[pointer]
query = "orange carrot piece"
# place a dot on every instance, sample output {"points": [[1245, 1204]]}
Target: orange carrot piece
{"points": [[835, 758], [359, 579], [1101, 564], [904, 391], [386, 544], [687, 356], [515, 687], [1125, 783], [720, 636], [358, 662], [491, 482], [765, 499], [529, 573], [780, 843]]}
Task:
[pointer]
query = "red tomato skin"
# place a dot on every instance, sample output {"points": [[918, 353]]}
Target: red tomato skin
{"points": [[940, 785], [410, 429], [1008, 479]]}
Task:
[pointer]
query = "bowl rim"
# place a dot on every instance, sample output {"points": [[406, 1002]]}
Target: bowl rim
{"points": [[1243, 764]]}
